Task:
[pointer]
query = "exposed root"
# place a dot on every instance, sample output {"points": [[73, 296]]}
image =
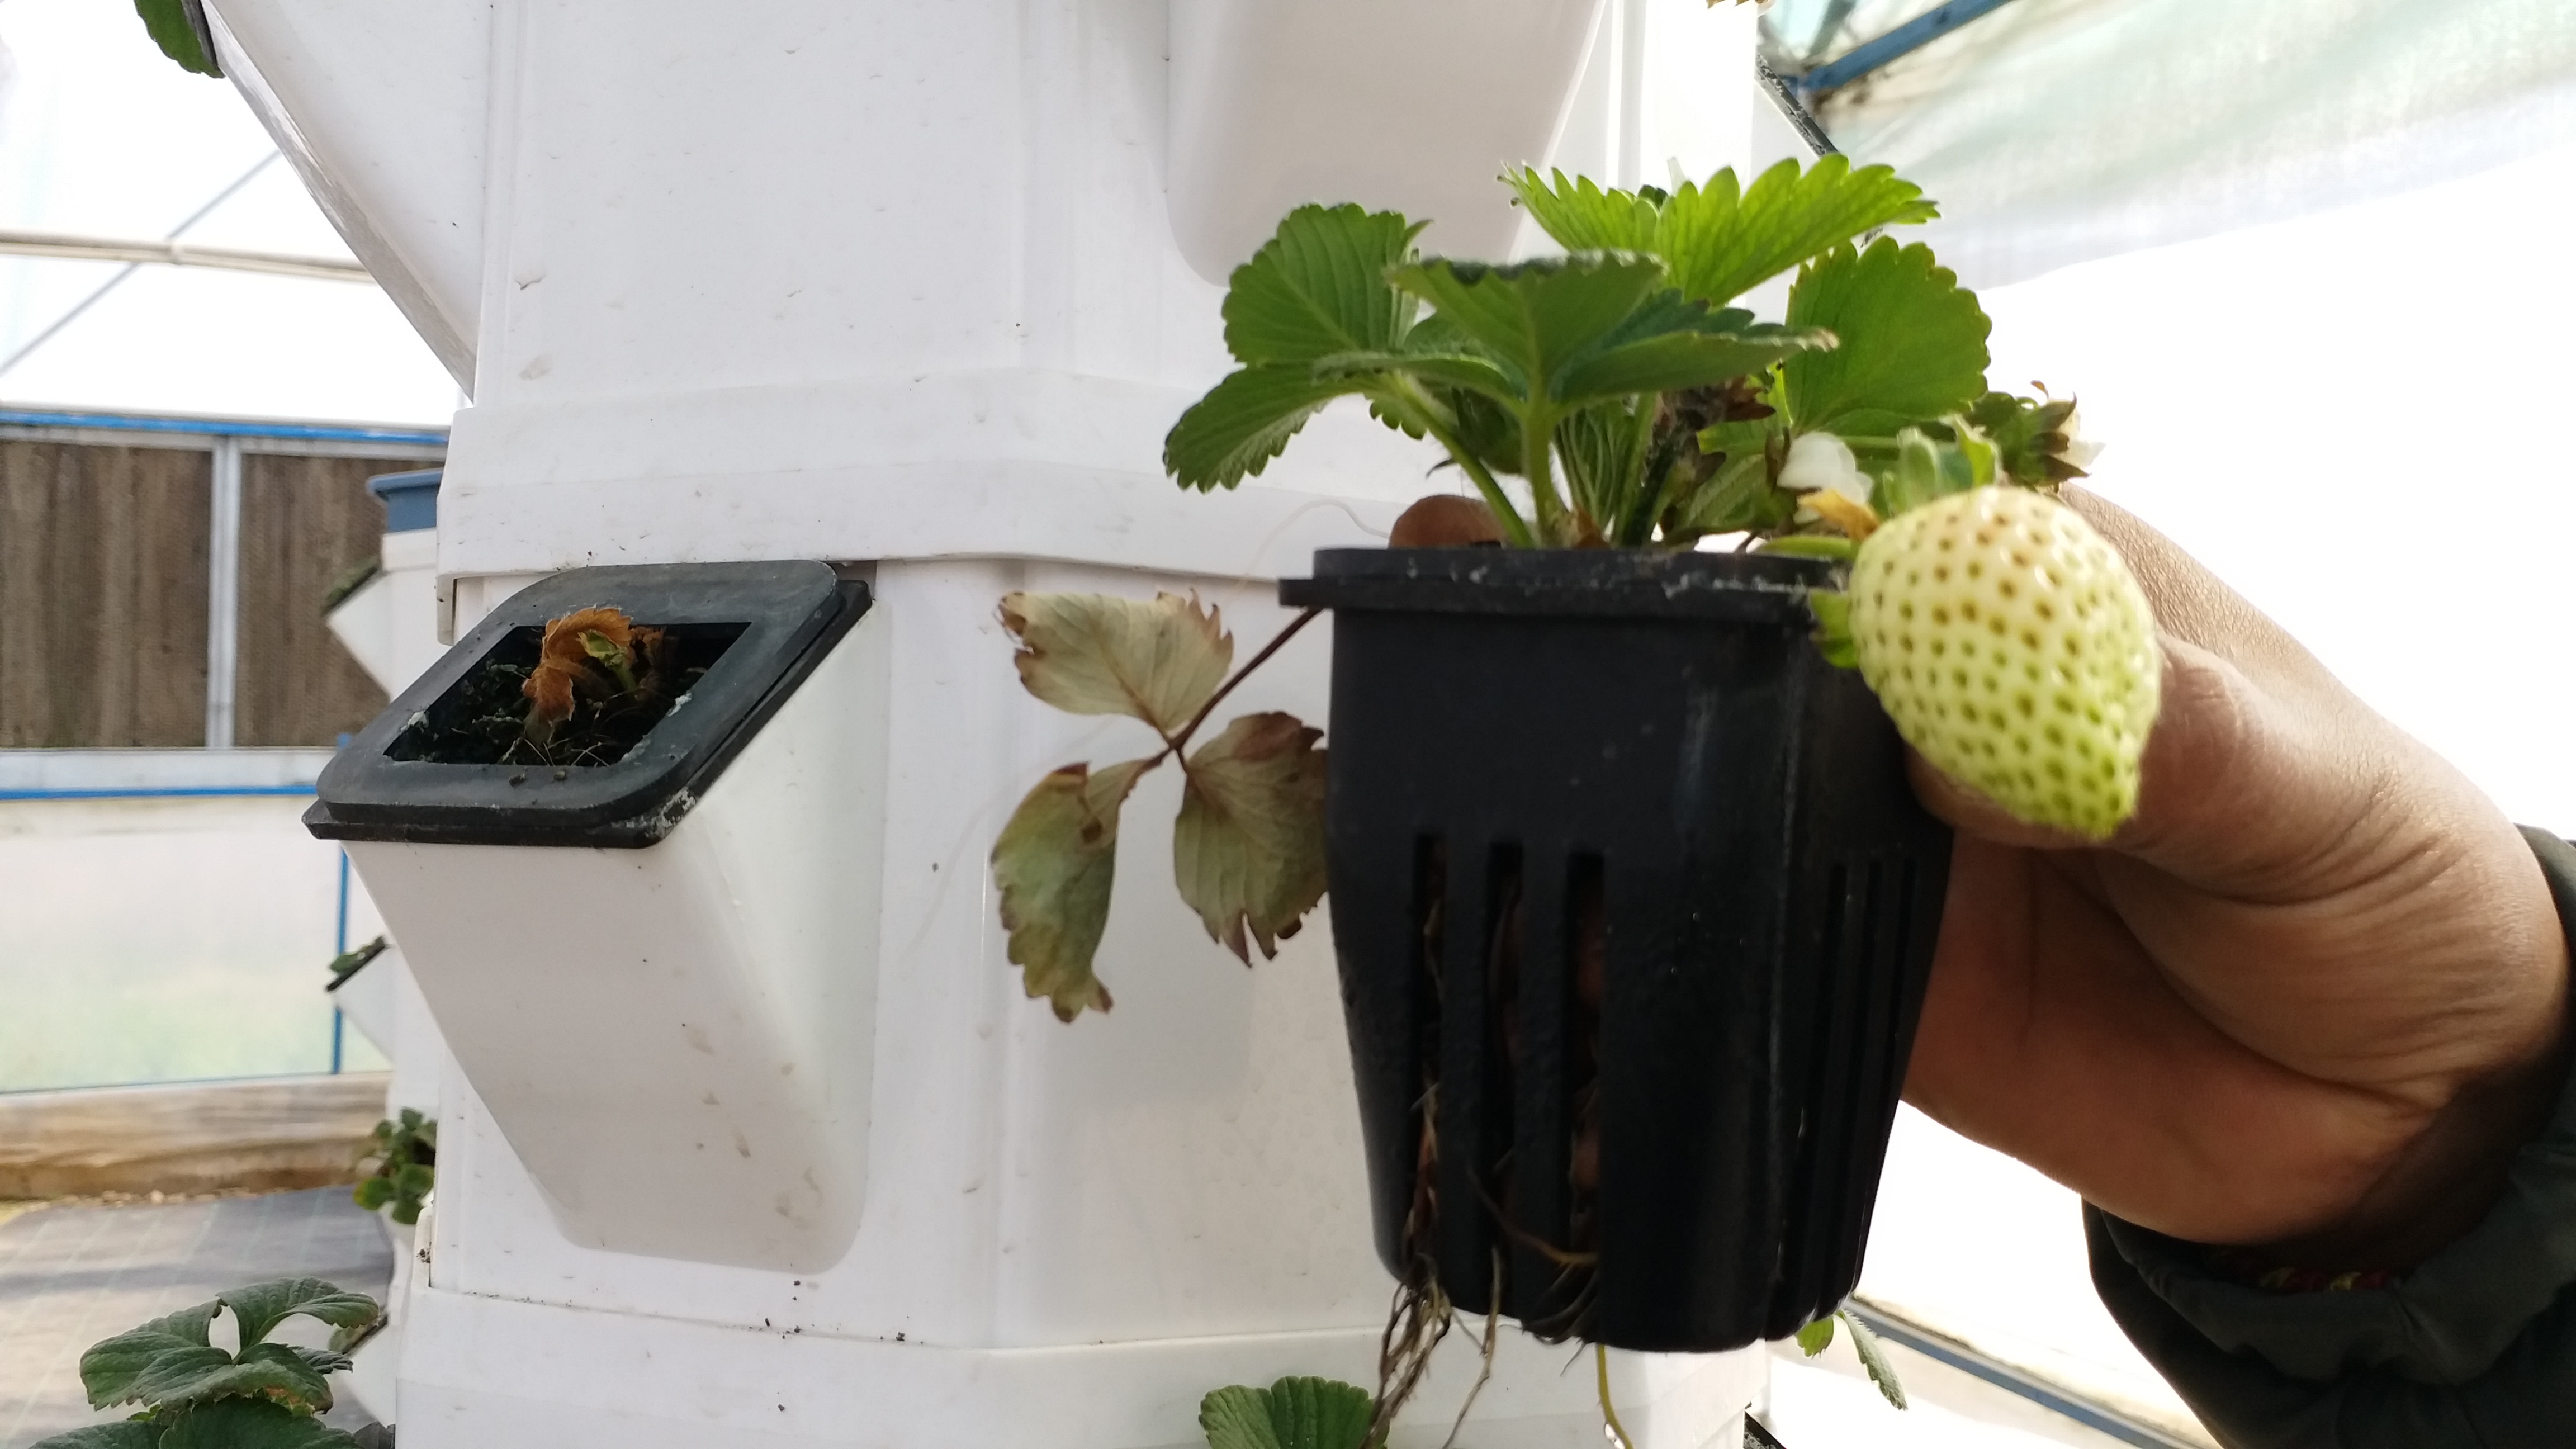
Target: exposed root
{"points": [[1493, 1324], [1421, 1318], [1611, 1428], [1523, 1237]]}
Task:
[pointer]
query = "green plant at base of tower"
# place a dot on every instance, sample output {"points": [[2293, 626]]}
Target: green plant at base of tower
{"points": [[405, 1153], [194, 1395]]}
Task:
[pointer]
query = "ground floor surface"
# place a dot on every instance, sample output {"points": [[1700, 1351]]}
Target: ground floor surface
{"points": [[73, 1273]]}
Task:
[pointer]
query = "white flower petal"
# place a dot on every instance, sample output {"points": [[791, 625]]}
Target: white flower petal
{"points": [[1820, 460]]}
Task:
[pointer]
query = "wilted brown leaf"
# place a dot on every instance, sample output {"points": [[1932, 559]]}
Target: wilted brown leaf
{"points": [[563, 659], [1054, 865], [1248, 849], [1096, 654]]}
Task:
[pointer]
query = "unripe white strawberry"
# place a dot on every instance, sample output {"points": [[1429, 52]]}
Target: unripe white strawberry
{"points": [[2011, 645]]}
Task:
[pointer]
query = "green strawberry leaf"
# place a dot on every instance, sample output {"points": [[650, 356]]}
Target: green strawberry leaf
{"points": [[250, 1424], [1816, 1337], [1248, 848], [1319, 286], [346, 964], [1738, 438], [1873, 1357], [1664, 346], [1721, 244], [179, 28], [1534, 318], [1245, 421], [136, 1364], [1740, 497], [373, 1192], [1486, 429], [1721, 241], [1604, 449], [1160, 662], [1927, 468], [123, 1434], [262, 1306], [1053, 867], [1316, 289], [273, 1372], [1582, 217], [348, 1336], [1470, 371], [1294, 1413], [1913, 342], [323, 1361], [1568, 331]]}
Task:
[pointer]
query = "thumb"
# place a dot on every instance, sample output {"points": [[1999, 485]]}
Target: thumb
{"points": [[2235, 788]]}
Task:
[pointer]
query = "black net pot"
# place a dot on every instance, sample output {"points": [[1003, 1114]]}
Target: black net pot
{"points": [[1634, 911]]}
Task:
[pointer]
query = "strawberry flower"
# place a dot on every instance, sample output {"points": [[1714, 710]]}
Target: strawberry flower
{"points": [[1821, 462], [2078, 452]]}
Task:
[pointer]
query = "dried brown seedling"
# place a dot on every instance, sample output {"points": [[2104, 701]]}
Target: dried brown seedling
{"points": [[591, 654], [582, 691]]}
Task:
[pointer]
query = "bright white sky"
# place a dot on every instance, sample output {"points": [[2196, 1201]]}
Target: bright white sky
{"points": [[2346, 417], [102, 136]]}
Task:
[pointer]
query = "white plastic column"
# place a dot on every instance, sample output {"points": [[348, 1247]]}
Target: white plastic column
{"points": [[898, 283]]}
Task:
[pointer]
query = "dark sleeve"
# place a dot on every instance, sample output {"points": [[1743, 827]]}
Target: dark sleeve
{"points": [[2473, 1348]]}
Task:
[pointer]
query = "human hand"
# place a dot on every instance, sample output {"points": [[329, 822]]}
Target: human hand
{"points": [[2310, 998]]}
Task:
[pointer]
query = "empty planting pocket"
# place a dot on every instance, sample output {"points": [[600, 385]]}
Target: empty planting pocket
{"points": [[658, 675]]}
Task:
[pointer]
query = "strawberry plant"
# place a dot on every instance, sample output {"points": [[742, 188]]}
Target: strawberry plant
{"points": [[404, 1152], [194, 1395], [1614, 396], [348, 963]]}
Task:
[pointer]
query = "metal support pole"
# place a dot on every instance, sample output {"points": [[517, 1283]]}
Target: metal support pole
{"points": [[340, 947], [1895, 45], [223, 595], [1792, 105]]}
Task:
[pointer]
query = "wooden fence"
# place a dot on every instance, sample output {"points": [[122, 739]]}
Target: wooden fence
{"points": [[107, 552]]}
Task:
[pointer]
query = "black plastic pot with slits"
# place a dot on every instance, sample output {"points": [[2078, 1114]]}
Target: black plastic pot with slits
{"points": [[1634, 911]]}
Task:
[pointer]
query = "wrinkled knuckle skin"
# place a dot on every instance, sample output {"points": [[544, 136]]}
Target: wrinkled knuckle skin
{"points": [[2199, 745]]}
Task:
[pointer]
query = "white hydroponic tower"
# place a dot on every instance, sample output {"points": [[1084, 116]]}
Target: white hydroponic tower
{"points": [[919, 286]]}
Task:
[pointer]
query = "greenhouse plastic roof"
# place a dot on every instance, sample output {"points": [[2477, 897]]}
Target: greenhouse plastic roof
{"points": [[2059, 131], [100, 136], [2051, 131]]}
